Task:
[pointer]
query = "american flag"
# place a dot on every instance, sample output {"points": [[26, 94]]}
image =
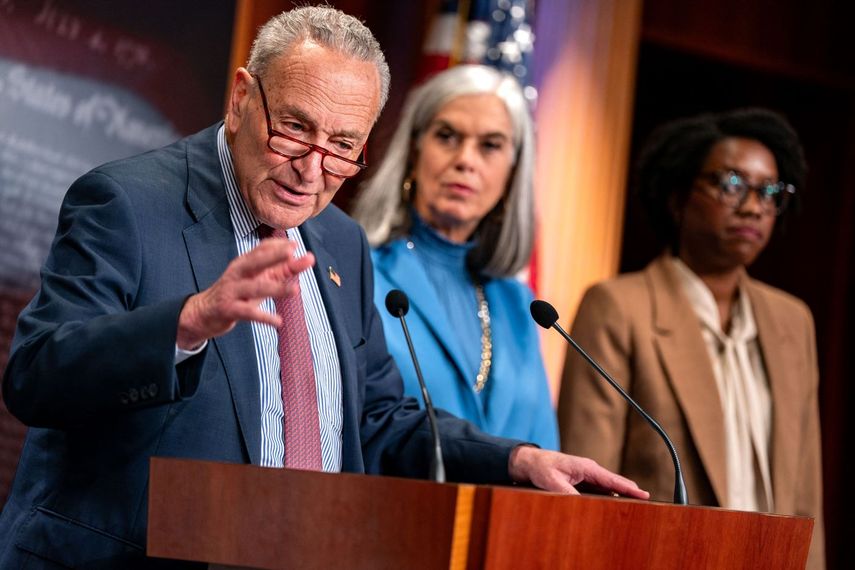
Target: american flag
{"points": [[491, 32]]}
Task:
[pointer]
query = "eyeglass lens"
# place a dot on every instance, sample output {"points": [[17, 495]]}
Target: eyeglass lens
{"points": [[772, 195], [290, 147], [293, 148]]}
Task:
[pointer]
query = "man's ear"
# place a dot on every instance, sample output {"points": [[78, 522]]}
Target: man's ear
{"points": [[239, 98]]}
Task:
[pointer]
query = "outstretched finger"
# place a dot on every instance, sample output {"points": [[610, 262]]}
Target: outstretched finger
{"points": [[266, 255], [257, 288], [609, 481], [564, 485], [287, 269], [629, 488], [300, 264], [259, 315]]}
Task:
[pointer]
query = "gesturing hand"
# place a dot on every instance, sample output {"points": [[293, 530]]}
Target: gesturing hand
{"points": [[237, 294], [559, 472]]}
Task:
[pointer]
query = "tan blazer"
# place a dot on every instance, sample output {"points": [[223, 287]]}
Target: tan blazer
{"points": [[643, 331]]}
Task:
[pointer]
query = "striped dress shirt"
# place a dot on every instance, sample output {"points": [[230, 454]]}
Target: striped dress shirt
{"points": [[324, 355]]}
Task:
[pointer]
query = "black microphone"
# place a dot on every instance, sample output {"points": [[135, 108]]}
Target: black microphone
{"points": [[398, 304], [546, 316]]}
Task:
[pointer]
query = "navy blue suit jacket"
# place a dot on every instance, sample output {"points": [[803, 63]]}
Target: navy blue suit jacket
{"points": [[92, 364]]}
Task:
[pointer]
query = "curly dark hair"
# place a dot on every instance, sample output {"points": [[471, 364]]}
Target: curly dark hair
{"points": [[673, 155]]}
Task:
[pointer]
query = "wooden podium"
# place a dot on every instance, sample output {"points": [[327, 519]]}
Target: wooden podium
{"points": [[253, 517]]}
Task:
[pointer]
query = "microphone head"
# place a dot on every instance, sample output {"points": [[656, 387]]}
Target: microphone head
{"points": [[542, 312], [397, 303]]}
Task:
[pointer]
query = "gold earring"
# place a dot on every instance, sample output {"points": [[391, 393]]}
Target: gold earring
{"points": [[407, 189]]}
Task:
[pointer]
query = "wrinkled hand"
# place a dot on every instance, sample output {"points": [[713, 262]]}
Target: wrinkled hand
{"points": [[238, 293], [559, 472]]}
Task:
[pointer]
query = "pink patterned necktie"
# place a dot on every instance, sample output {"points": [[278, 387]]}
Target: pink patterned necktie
{"points": [[299, 392]]}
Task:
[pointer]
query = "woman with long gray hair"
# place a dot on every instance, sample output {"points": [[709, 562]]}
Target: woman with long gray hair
{"points": [[449, 213]]}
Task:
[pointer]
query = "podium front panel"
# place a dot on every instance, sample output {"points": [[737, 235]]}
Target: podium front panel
{"points": [[256, 517], [542, 530]]}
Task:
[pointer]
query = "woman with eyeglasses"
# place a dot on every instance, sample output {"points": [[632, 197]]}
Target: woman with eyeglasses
{"points": [[450, 215], [725, 363]]}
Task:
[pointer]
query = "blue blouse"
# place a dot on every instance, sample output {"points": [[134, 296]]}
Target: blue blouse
{"points": [[446, 331]]}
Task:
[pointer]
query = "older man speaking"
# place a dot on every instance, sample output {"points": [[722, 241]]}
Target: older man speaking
{"points": [[206, 301]]}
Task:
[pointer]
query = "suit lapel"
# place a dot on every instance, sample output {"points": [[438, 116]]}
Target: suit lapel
{"points": [[686, 361], [781, 357], [312, 232], [403, 270], [211, 246]]}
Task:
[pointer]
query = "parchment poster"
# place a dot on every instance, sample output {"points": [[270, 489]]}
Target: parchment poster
{"points": [[82, 83]]}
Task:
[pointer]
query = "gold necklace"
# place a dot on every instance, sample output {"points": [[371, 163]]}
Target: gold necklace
{"points": [[486, 339]]}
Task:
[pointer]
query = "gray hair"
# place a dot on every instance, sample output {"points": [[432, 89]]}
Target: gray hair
{"points": [[505, 236], [325, 26]]}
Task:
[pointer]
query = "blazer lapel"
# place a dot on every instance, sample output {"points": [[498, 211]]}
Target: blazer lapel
{"points": [[312, 232], [686, 361], [404, 271], [211, 246], [782, 358]]}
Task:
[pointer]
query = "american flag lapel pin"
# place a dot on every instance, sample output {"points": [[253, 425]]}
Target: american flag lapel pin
{"points": [[334, 277]]}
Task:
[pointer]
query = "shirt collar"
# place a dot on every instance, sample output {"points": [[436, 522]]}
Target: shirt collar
{"points": [[436, 247], [244, 221], [742, 326]]}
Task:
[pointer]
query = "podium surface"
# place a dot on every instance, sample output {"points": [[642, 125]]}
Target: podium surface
{"points": [[254, 517]]}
